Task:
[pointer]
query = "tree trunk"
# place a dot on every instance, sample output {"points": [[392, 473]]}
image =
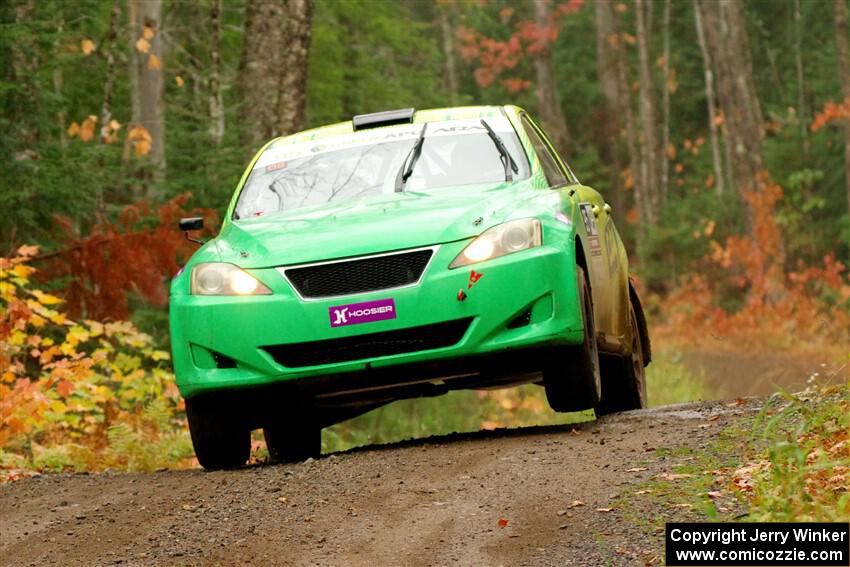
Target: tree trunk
{"points": [[59, 85], [716, 156], [650, 163], [665, 106], [260, 70], [843, 53], [108, 50], [727, 48], [449, 54], [24, 67], [612, 123], [547, 95], [216, 104], [147, 81], [627, 113], [292, 93], [802, 115]]}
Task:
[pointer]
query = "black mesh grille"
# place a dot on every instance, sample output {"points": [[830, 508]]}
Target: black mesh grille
{"points": [[360, 275], [371, 345]]}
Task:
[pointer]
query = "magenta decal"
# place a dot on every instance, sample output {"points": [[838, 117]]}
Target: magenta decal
{"points": [[365, 312]]}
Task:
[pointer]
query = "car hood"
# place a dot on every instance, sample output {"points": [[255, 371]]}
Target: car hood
{"points": [[367, 226]]}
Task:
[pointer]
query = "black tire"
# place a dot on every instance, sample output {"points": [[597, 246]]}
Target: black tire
{"points": [[624, 378], [221, 440], [293, 440], [573, 382]]}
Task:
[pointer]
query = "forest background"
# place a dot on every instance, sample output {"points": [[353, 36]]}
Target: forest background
{"points": [[719, 130]]}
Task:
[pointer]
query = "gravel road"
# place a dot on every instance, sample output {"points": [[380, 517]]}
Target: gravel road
{"points": [[432, 502]]}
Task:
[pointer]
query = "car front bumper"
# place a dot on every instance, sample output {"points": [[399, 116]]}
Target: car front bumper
{"points": [[522, 302]]}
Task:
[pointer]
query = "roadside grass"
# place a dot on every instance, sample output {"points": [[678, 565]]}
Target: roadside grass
{"points": [[788, 463], [668, 381], [801, 467], [456, 412]]}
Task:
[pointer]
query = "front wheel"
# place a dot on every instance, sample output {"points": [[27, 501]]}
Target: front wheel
{"points": [[573, 383], [624, 378], [221, 440]]}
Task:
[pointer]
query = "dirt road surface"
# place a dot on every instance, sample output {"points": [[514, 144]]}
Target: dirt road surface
{"points": [[433, 502]]}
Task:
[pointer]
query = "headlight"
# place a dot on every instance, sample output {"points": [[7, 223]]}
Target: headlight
{"points": [[217, 278], [500, 240]]}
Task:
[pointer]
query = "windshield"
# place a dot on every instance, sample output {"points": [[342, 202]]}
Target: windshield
{"points": [[367, 163]]}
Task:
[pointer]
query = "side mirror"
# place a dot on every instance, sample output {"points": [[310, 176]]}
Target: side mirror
{"points": [[191, 223]]}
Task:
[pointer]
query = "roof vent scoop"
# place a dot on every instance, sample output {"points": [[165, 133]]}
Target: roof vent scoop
{"points": [[385, 118]]}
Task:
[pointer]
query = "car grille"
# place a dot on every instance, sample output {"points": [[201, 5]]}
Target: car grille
{"points": [[372, 345], [359, 275]]}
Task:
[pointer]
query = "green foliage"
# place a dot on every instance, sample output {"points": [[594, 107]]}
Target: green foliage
{"points": [[802, 473]]}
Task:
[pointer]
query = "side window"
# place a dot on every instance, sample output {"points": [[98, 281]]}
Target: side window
{"points": [[553, 173]]}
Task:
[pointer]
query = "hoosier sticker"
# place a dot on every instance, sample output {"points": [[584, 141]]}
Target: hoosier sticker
{"points": [[366, 312]]}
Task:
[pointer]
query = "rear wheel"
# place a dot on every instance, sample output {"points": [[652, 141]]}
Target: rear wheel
{"points": [[293, 440], [624, 378], [573, 382], [220, 440]]}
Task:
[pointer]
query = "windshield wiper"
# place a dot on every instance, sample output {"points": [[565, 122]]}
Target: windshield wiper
{"points": [[507, 160], [410, 161]]}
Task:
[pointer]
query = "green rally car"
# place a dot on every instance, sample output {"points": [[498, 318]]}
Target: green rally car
{"points": [[401, 254]]}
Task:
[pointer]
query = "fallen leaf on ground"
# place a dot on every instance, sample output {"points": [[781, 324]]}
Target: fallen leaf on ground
{"points": [[714, 494], [674, 476], [575, 504], [282, 499], [502, 522], [604, 509], [639, 492], [637, 469]]}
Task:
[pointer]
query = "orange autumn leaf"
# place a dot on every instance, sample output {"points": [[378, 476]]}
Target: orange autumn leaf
{"points": [[86, 132], [671, 151], [27, 250], [709, 181], [109, 132], [87, 46], [73, 129], [143, 45], [178, 80], [831, 112], [148, 33], [65, 388], [141, 140], [154, 62]]}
